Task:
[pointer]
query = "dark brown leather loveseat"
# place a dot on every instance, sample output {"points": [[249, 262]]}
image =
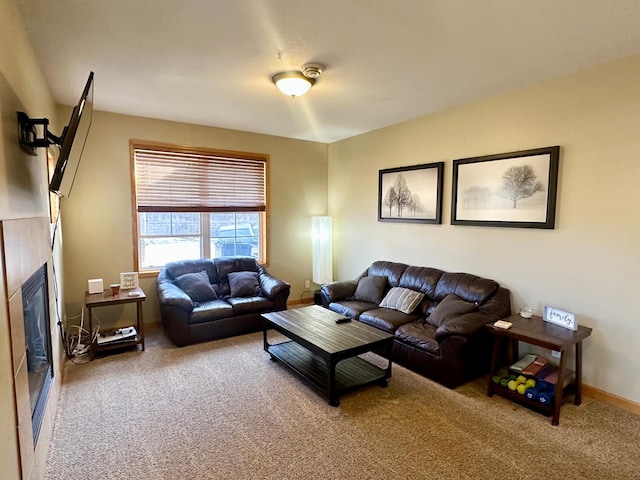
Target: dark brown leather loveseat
{"points": [[440, 335], [206, 299]]}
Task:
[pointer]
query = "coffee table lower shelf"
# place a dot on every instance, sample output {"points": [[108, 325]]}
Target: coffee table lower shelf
{"points": [[350, 373]]}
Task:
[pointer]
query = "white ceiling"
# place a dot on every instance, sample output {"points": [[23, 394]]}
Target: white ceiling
{"points": [[210, 62]]}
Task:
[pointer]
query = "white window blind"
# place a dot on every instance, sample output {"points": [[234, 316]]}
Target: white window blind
{"points": [[169, 181]]}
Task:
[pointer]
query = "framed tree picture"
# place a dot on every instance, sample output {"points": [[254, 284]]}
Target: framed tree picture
{"points": [[516, 189], [411, 194]]}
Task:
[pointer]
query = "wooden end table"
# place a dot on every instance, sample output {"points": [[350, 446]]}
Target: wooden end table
{"points": [[536, 331], [107, 299]]}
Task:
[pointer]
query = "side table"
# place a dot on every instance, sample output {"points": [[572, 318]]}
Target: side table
{"points": [[107, 299], [536, 331]]}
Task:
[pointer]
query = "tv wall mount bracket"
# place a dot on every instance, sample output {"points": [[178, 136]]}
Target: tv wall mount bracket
{"points": [[28, 134]]}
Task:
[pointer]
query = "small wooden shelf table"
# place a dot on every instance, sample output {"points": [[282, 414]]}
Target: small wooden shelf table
{"points": [[107, 299], [536, 331]]}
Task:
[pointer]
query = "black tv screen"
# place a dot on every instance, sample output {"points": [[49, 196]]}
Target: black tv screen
{"points": [[72, 143]]}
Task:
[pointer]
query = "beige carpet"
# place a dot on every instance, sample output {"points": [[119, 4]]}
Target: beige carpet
{"points": [[223, 410]]}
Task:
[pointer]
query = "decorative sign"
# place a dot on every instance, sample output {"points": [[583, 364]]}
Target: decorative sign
{"points": [[128, 280], [558, 317]]}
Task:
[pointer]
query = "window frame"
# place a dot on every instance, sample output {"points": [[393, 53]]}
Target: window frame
{"points": [[263, 243]]}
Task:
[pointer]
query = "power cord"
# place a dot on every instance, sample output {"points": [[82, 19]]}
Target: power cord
{"points": [[306, 292], [63, 336], [79, 345], [56, 221]]}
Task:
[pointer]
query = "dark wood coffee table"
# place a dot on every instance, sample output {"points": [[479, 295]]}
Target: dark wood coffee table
{"points": [[324, 352]]}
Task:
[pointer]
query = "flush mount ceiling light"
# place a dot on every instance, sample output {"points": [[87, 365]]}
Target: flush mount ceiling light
{"points": [[295, 83]]}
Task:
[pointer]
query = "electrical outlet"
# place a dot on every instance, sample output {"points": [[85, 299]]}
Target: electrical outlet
{"points": [[307, 284], [555, 354]]}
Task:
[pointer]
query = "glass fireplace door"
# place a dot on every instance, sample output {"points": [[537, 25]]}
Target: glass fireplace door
{"points": [[37, 329]]}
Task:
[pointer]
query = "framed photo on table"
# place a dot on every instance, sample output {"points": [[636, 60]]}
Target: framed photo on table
{"points": [[411, 194], [128, 280], [560, 317], [516, 189]]}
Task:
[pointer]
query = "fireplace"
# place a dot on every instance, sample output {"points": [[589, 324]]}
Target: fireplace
{"points": [[26, 291], [35, 303]]}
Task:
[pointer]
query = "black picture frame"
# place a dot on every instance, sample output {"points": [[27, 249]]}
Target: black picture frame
{"points": [[515, 189], [420, 193]]}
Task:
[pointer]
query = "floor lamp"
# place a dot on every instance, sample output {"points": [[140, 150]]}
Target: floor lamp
{"points": [[321, 237]]}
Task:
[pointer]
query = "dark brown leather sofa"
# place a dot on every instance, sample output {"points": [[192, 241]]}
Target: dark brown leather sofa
{"points": [[210, 308], [443, 337]]}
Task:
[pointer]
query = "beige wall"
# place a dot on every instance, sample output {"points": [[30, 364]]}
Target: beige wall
{"points": [[589, 264], [97, 215], [22, 88], [23, 194]]}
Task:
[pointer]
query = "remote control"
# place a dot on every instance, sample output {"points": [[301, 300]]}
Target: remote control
{"points": [[343, 320]]}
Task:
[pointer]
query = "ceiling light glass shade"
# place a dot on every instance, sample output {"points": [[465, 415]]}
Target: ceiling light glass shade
{"points": [[293, 84]]}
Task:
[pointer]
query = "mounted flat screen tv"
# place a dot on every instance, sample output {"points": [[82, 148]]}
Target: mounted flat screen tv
{"points": [[72, 141]]}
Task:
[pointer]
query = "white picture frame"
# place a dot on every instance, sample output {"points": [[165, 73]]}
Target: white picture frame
{"points": [[560, 317], [128, 280]]}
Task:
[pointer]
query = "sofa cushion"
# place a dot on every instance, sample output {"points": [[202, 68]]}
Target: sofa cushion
{"points": [[245, 305], [419, 335], [450, 307], [467, 286], [175, 269], [208, 311], [226, 265], [392, 271], [351, 308], [197, 286], [244, 284], [370, 289], [387, 319], [402, 299], [421, 279]]}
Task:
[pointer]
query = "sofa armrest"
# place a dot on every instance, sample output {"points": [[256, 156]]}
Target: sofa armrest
{"points": [[173, 296], [498, 306], [272, 286], [468, 324], [336, 291], [495, 308]]}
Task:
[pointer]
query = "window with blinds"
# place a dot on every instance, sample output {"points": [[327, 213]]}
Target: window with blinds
{"points": [[194, 203]]}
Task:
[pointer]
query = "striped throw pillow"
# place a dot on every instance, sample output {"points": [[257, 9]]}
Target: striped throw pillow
{"points": [[402, 299]]}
